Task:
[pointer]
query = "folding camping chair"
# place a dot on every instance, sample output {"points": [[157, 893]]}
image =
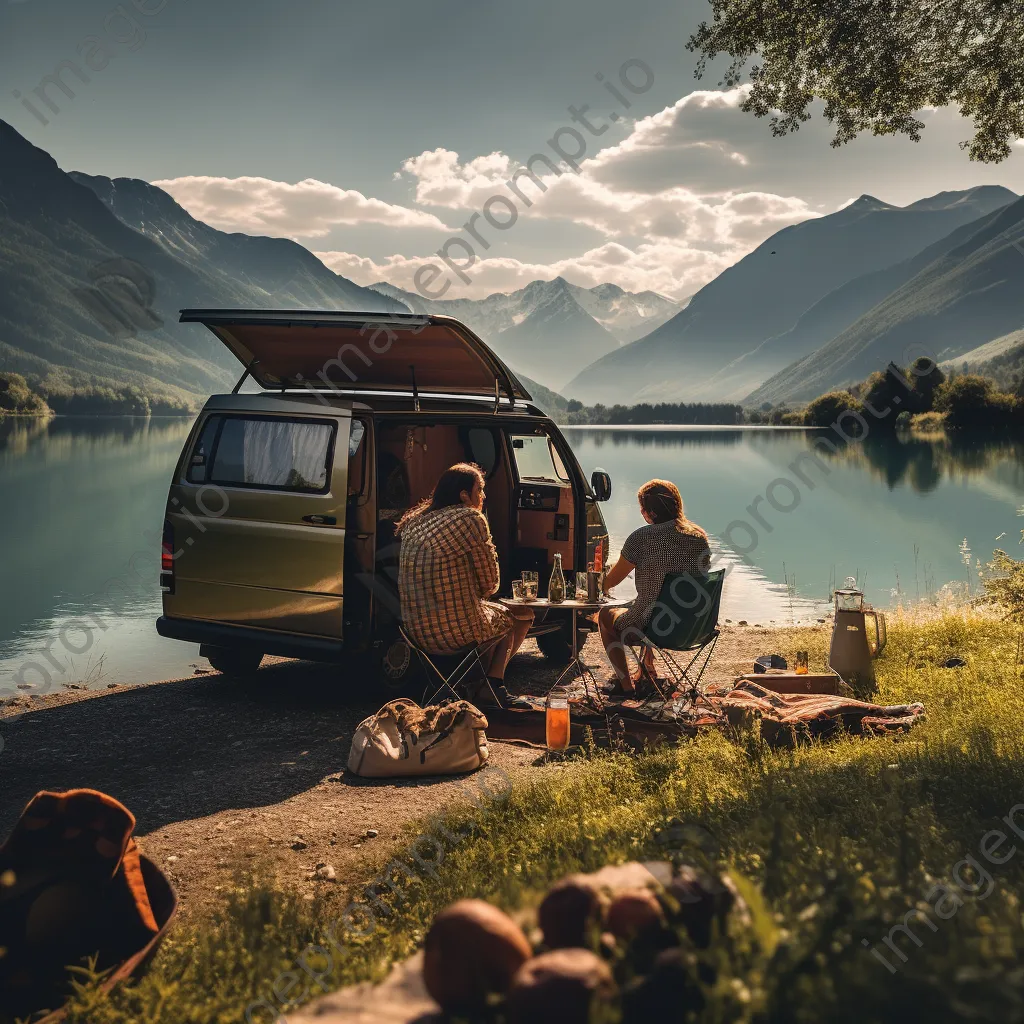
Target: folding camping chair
{"points": [[464, 661], [685, 621]]}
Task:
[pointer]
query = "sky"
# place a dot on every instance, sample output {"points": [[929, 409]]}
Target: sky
{"points": [[373, 133]]}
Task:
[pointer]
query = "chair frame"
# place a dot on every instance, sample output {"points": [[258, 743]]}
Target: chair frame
{"points": [[683, 677], [472, 658], [681, 674]]}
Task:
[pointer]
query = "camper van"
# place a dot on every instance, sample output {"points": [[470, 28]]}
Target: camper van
{"points": [[279, 536]]}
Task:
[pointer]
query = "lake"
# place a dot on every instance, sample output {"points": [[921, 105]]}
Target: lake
{"points": [[84, 502]]}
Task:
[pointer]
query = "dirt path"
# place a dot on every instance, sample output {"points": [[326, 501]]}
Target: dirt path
{"points": [[220, 774]]}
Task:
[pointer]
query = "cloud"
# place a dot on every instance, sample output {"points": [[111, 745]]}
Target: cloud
{"points": [[678, 212], [670, 268], [308, 209]]}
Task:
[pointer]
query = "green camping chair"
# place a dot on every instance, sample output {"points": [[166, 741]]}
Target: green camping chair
{"points": [[684, 620]]}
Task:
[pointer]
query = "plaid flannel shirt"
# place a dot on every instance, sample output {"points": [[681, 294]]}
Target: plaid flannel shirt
{"points": [[448, 565]]}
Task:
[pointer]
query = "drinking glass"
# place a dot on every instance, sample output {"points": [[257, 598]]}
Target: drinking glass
{"points": [[581, 585], [531, 581], [517, 590], [570, 586]]}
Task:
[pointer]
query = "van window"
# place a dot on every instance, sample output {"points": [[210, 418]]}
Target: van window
{"points": [[358, 478], [482, 445], [199, 462], [266, 452], [536, 459]]}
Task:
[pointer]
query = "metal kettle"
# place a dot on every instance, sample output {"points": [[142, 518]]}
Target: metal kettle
{"points": [[858, 636]]}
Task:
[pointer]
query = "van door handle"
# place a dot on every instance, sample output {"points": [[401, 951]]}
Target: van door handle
{"points": [[320, 520]]}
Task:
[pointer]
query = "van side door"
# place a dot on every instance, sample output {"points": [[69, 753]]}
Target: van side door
{"points": [[258, 511]]}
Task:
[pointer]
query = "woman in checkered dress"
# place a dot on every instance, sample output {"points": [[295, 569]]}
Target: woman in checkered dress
{"points": [[668, 543], [448, 568]]}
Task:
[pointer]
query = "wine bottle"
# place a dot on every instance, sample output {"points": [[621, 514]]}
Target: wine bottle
{"points": [[556, 585]]}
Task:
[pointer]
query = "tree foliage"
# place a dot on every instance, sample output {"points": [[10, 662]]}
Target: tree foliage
{"points": [[875, 64], [824, 411], [972, 402]]}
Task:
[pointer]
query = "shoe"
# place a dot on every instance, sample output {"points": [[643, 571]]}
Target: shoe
{"points": [[614, 688], [486, 698]]}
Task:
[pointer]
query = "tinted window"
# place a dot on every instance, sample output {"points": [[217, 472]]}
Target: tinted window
{"points": [[263, 452], [482, 445], [199, 461]]}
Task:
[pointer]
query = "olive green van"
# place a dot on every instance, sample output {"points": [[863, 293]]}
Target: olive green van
{"points": [[279, 536]]}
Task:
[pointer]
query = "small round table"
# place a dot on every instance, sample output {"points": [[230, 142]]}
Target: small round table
{"points": [[575, 666]]}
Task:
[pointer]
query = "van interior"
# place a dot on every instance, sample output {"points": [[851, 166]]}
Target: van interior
{"points": [[529, 501]]}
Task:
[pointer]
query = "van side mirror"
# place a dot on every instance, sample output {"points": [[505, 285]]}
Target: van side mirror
{"points": [[601, 485]]}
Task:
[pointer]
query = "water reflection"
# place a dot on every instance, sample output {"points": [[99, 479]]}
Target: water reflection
{"points": [[923, 463], [84, 501], [83, 508], [892, 511]]}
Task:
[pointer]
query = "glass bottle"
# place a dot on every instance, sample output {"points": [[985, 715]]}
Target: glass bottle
{"points": [[556, 718], [556, 585]]}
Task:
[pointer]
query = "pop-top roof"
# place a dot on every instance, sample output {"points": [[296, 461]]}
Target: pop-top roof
{"points": [[343, 351]]}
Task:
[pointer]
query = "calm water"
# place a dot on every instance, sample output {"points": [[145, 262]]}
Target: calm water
{"points": [[83, 504]]}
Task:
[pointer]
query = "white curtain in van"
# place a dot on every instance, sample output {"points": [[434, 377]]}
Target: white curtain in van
{"points": [[279, 453]]}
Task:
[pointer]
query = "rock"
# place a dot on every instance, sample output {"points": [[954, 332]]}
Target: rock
{"points": [[559, 987], [299, 843], [954, 662], [673, 981], [172, 859], [705, 901], [370, 833], [112, 686], [742, 622], [471, 950], [634, 913], [572, 908], [615, 878], [322, 873]]}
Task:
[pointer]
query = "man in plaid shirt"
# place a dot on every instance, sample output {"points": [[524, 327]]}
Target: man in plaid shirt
{"points": [[448, 567]]}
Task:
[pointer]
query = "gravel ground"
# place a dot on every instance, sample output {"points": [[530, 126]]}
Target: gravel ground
{"points": [[221, 773]]}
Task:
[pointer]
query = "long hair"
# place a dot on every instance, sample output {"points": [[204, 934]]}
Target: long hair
{"points": [[661, 500], [448, 490]]}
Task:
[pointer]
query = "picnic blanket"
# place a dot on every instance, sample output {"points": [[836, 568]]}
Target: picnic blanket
{"points": [[786, 717]]}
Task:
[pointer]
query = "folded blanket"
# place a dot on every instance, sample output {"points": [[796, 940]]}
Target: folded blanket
{"points": [[786, 716]]}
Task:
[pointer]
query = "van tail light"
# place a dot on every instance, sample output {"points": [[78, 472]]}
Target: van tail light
{"points": [[167, 559]]}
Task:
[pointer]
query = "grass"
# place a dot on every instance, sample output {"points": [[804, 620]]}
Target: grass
{"points": [[842, 840]]}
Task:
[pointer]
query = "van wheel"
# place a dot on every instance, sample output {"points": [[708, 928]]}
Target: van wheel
{"points": [[557, 646], [233, 661], [397, 667]]}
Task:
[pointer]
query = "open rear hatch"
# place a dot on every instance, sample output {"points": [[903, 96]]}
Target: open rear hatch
{"points": [[342, 351]]}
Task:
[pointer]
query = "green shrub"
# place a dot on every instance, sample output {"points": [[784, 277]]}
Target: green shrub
{"points": [[1003, 584], [824, 411], [17, 398], [972, 402]]}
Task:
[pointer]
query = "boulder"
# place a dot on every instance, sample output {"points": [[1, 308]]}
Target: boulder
{"points": [[559, 987], [570, 912], [471, 950]]}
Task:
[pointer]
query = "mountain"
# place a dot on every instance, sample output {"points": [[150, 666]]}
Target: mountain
{"points": [[279, 270], [766, 293], [830, 316], [968, 296], [549, 329], [86, 297]]}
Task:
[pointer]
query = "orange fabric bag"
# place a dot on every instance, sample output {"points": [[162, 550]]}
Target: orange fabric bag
{"points": [[73, 884]]}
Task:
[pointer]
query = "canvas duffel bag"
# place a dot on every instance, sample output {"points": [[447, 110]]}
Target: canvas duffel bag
{"points": [[405, 739]]}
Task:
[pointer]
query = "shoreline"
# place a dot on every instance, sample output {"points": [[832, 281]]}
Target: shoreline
{"points": [[225, 776]]}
